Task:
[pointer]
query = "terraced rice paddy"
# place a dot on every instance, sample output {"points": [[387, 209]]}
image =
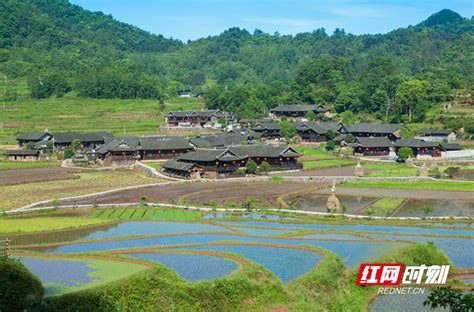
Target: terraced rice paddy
{"points": [[286, 263], [192, 267], [401, 303], [147, 214], [63, 275], [210, 248]]}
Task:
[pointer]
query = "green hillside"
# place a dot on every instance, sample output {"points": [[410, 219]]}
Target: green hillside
{"points": [[50, 48]]}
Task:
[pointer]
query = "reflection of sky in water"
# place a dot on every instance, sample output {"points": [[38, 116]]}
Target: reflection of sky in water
{"points": [[352, 253], [256, 216], [59, 271], [439, 207], [335, 236], [286, 263], [192, 267], [459, 250], [153, 228], [354, 227], [401, 303], [263, 232]]}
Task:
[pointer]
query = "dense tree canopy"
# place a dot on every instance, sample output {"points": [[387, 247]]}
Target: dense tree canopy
{"points": [[19, 288], [58, 48]]}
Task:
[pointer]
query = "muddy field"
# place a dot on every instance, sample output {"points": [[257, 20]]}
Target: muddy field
{"points": [[16, 176], [220, 192], [416, 194]]}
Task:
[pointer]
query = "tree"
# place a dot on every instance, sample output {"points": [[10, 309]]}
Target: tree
{"points": [[76, 145], [412, 97], [310, 116], [330, 145], [265, 167], [68, 153], [405, 152], [331, 134], [19, 288], [251, 167], [451, 299], [349, 138], [287, 130]]}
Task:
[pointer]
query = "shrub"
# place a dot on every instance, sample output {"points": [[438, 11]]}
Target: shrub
{"points": [[349, 138], [277, 179], [265, 167], [251, 167], [330, 145], [331, 134], [405, 152], [19, 288], [68, 153], [76, 145]]}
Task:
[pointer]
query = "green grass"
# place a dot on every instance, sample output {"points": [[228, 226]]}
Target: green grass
{"points": [[390, 170], [27, 225], [105, 271], [314, 152], [78, 114], [414, 185], [254, 289], [4, 165], [384, 206], [150, 213], [327, 163]]}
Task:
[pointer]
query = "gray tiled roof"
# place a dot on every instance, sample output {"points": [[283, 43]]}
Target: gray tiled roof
{"points": [[451, 146], [68, 137], [21, 152], [373, 142], [164, 143], [432, 132], [240, 152], [178, 165], [320, 127], [220, 140], [31, 136], [301, 108], [415, 143], [201, 113]]}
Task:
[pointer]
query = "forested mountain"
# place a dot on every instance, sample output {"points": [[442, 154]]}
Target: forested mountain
{"points": [[61, 48]]}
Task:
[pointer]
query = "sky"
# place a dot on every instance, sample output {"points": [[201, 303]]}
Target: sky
{"points": [[193, 19]]}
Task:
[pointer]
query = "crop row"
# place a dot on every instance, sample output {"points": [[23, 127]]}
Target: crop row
{"points": [[147, 214]]}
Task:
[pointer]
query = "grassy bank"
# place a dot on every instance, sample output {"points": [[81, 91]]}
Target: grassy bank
{"points": [[414, 185], [28, 225], [332, 287], [327, 163], [384, 206], [160, 289], [390, 170], [80, 114], [5, 165]]}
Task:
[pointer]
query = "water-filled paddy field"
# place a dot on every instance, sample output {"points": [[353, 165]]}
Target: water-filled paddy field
{"points": [[218, 244]]}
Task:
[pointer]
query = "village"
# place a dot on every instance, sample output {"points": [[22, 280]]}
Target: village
{"points": [[238, 143]]}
